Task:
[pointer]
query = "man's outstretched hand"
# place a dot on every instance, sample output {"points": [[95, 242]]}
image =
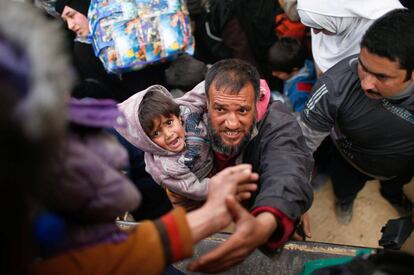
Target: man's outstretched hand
{"points": [[250, 233]]}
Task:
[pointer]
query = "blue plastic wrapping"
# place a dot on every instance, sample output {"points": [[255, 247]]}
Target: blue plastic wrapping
{"points": [[131, 34]]}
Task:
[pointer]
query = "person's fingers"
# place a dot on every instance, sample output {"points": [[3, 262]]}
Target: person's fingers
{"points": [[222, 265], [222, 257], [217, 256], [231, 251], [236, 169], [297, 237], [306, 225], [242, 178], [239, 174], [247, 187], [243, 196], [235, 209]]}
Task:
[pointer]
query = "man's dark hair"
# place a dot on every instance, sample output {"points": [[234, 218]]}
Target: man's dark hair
{"points": [[232, 75], [286, 54], [156, 104], [392, 36]]}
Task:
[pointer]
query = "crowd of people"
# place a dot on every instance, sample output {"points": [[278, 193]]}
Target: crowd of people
{"points": [[192, 143]]}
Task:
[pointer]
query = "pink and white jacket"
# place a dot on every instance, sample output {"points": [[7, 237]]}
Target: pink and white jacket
{"points": [[185, 172]]}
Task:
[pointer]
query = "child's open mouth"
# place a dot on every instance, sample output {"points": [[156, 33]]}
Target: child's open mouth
{"points": [[175, 143]]}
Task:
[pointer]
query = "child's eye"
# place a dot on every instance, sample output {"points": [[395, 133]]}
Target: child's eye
{"points": [[156, 134], [170, 122]]}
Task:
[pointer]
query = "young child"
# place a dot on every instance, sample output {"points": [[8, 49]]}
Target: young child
{"points": [[175, 140], [287, 60]]}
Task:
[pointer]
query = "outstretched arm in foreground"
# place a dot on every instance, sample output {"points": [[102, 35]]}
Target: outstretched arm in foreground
{"points": [[213, 215], [154, 245]]}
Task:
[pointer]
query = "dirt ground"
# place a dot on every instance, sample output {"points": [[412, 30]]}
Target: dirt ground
{"points": [[371, 212]]}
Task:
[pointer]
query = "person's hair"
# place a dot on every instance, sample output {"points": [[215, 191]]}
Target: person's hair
{"points": [[232, 75], [156, 104], [392, 36], [185, 72], [286, 54]]}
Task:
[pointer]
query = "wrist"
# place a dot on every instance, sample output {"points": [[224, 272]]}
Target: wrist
{"points": [[267, 224], [207, 220]]}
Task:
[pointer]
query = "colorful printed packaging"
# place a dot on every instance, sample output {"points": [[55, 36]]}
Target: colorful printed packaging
{"points": [[131, 34]]}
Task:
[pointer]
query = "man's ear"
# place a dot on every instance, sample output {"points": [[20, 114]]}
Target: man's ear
{"points": [[412, 75]]}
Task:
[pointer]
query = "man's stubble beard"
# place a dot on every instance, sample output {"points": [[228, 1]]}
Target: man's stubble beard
{"points": [[218, 146]]}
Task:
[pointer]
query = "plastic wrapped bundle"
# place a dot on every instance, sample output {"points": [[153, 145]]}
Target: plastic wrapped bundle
{"points": [[130, 34]]}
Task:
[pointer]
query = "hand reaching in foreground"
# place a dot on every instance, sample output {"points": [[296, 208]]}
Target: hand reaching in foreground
{"points": [[214, 215], [250, 233], [244, 191], [234, 180]]}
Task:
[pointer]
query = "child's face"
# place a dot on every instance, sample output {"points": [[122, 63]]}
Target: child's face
{"points": [[168, 133]]}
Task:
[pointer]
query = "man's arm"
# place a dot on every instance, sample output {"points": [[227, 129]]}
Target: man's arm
{"points": [[282, 159], [320, 113], [313, 137]]}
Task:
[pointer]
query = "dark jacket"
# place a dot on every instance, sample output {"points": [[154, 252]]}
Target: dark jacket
{"points": [[280, 155]]}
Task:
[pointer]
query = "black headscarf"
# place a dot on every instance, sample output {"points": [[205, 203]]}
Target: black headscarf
{"points": [[81, 6], [257, 18]]}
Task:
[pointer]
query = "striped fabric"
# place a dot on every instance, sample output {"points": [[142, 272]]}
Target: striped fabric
{"points": [[173, 234]]}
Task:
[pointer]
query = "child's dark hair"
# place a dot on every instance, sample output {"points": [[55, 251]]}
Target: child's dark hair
{"points": [[156, 104], [286, 54]]}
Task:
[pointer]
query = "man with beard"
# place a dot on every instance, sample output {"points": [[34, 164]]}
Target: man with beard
{"points": [[366, 104], [277, 151]]}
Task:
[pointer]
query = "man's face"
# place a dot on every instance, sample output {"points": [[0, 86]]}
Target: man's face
{"points": [[76, 21], [381, 77], [231, 118]]}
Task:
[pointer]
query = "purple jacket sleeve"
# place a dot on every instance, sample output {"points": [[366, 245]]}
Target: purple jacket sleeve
{"points": [[88, 187]]}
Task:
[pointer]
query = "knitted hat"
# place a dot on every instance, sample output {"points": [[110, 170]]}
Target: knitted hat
{"points": [[81, 6]]}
